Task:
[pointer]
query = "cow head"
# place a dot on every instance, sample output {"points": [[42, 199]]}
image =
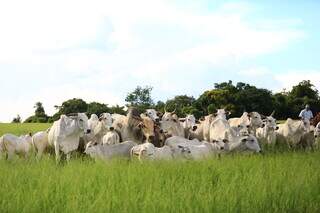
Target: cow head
{"points": [[147, 151], [189, 122], [255, 120], [170, 116], [243, 129], [81, 120], [270, 123], [153, 114], [222, 113], [107, 120], [185, 151], [251, 143]]}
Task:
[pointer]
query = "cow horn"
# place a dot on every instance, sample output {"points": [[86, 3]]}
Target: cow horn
{"points": [[175, 109], [272, 114]]}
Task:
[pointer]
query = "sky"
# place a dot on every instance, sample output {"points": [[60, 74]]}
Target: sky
{"points": [[99, 50]]}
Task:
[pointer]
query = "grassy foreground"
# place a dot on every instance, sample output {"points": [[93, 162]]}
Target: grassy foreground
{"points": [[282, 182]]}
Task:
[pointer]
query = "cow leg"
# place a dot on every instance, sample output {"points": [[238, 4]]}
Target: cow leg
{"points": [[57, 151], [68, 157], [10, 155]]}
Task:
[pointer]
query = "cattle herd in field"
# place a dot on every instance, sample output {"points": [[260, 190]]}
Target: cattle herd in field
{"points": [[157, 136]]}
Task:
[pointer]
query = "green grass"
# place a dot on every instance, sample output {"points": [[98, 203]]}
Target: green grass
{"points": [[24, 128], [274, 182]]}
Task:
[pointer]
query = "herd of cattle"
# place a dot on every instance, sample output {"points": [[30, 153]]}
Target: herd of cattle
{"points": [[153, 135]]}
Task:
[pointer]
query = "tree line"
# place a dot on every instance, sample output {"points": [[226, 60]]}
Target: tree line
{"points": [[237, 98]]}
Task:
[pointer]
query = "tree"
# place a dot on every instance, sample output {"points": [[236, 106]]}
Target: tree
{"points": [[117, 109], [39, 115], [140, 98], [16, 119], [182, 104], [302, 94], [97, 108], [71, 106]]}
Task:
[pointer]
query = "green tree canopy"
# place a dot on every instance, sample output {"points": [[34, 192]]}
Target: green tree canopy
{"points": [[140, 98], [39, 115]]}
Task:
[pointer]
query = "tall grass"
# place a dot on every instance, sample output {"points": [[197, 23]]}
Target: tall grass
{"points": [[239, 183], [274, 182]]}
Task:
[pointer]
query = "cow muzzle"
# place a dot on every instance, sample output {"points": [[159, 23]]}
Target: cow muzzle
{"points": [[194, 128], [88, 131]]}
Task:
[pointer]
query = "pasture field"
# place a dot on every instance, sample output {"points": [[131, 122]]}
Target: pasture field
{"points": [[274, 182], [24, 128]]}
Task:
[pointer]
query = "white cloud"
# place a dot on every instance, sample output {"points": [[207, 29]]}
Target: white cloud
{"points": [[98, 50], [291, 78]]}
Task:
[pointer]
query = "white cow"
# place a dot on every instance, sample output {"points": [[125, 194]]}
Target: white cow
{"points": [[268, 132], [103, 126], [112, 137], [12, 144], [243, 143], [189, 125], [292, 131], [121, 150], [65, 133], [150, 152], [40, 142], [219, 129], [199, 152], [179, 145], [203, 129]]}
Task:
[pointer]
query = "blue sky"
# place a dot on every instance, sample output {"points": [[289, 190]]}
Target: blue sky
{"points": [[100, 50]]}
